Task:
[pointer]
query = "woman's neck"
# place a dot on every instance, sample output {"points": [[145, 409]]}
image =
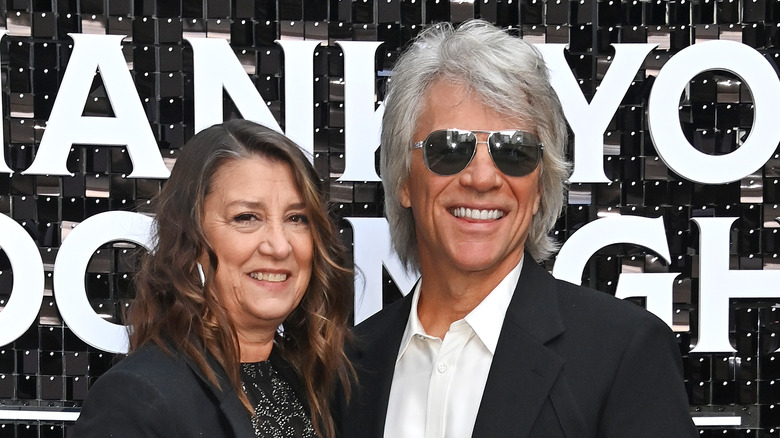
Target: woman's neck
{"points": [[256, 348]]}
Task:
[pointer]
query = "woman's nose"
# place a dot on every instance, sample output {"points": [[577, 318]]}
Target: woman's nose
{"points": [[276, 243]]}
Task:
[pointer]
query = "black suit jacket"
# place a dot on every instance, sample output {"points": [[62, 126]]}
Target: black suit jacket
{"points": [[570, 362], [152, 393]]}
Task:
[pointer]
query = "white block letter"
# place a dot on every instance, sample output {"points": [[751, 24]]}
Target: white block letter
{"points": [[718, 284], [647, 232], [71, 264], [589, 121], [664, 115], [361, 122], [372, 249], [4, 168], [215, 67], [299, 92], [67, 126], [27, 293]]}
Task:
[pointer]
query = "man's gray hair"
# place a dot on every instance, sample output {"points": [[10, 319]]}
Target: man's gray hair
{"points": [[509, 76]]}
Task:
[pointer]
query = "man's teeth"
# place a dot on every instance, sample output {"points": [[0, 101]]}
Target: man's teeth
{"points": [[470, 213], [268, 277]]}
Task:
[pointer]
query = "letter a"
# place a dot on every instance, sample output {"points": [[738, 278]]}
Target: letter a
{"points": [[67, 125]]}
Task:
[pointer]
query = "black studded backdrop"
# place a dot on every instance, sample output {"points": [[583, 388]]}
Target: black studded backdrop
{"points": [[45, 372]]}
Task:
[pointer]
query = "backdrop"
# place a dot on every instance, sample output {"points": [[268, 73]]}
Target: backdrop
{"points": [[673, 201]]}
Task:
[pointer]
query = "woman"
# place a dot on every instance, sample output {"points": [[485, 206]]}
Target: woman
{"points": [[241, 310]]}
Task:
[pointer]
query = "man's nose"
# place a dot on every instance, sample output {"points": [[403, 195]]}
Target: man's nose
{"points": [[481, 173]]}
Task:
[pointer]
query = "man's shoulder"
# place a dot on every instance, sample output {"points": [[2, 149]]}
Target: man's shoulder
{"points": [[580, 302], [590, 306]]}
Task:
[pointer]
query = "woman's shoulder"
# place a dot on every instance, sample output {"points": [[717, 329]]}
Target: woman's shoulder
{"points": [[158, 372], [150, 362], [134, 397]]}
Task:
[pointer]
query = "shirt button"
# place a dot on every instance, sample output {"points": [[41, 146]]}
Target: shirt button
{"points": [[442, 368]]}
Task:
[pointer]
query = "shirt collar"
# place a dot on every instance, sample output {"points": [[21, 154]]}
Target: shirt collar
{"points": [[413, 325], [488, 317], [483, 319]]}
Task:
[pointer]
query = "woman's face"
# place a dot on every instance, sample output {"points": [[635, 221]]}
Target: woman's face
{"points": [[256, 221]]}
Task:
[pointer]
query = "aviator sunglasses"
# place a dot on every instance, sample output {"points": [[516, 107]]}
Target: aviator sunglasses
{"points": [[449, 151]]}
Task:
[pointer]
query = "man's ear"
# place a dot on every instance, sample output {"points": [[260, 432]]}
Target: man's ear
{"points": [[403, 194], [538, 195], [538, 200]]}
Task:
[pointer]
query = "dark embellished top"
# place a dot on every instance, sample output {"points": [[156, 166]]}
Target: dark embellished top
{"points": [[279, 412]]}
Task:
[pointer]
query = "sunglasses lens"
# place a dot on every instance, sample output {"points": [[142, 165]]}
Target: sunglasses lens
{"points": [[515, 153], [447, 152]]}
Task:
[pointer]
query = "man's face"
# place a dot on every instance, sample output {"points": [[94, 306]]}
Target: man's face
{"points": [[448, 240]]}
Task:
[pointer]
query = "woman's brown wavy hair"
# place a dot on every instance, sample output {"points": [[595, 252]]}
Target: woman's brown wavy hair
{"points": [[174, 310]]}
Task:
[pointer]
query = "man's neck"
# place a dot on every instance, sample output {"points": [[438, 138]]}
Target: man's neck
{"points": [[445, 299], [448, 293]]}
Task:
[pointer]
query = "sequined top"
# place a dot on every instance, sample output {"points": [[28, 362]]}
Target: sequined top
{"points": [[279, 412]]}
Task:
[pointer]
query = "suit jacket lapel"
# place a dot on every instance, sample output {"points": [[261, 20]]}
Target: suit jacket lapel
{"points": [[375, 357], [228, 400], [523, 369]]}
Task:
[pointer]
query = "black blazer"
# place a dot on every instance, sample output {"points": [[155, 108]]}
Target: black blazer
{"points": [[151, 393], [570, 362]]}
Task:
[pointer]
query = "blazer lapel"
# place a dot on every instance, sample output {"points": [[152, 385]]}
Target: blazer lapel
{"points": [[523, 369], [228, 400], [375, 355], [236, 414]]}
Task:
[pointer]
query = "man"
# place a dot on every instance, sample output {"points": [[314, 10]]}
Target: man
{"points": [[488, 344]]}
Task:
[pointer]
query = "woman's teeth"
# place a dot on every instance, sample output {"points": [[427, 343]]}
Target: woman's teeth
{"points": [[268, 277]]}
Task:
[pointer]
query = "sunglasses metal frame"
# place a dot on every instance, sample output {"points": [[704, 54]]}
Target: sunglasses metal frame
{"points": [[421, 145]]}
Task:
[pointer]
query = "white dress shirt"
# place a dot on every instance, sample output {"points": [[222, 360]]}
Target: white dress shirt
{"points": [[438, 383]]}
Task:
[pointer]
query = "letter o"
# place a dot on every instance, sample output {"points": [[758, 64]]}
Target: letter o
{"points": [[664, 120], [71, 264], [27, 293]]}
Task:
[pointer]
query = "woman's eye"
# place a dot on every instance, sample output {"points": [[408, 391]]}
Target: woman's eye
{"points": [[299, 219], [245, 217]]}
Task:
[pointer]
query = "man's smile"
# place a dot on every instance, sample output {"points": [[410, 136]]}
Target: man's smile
{"points": [[473, 213]]}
